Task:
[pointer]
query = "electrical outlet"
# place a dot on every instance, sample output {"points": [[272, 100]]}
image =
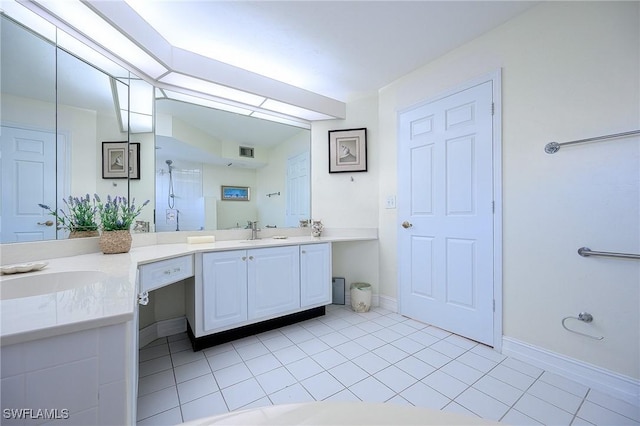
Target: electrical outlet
{"points": [[390, 202]]}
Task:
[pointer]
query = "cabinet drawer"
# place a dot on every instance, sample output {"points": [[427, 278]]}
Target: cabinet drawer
{"points": [[159, 274]]}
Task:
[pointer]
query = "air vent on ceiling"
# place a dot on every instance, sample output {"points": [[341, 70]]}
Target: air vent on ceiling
{"points": [[246, 152]]}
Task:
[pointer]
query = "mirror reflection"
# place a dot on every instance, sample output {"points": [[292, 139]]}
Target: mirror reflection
{"points": [[27, 135], [56, 112], [200, 150]]}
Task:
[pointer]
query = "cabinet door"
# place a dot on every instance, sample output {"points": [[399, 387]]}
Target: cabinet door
{"points": [[273, 281], [315, 273], [224, 289]]}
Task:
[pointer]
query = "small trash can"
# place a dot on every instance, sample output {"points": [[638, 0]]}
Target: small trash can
{"points": [[360, 297]]}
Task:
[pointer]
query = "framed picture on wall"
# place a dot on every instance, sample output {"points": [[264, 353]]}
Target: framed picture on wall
{"points": [[348, 150], [134, 160], [234, 193], [120, 160]]}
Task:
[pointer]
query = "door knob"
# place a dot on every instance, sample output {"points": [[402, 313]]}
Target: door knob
{"points": [[406, 224], [47, 223]]}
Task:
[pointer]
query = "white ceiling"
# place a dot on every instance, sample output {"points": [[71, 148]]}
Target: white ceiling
{"points": [[339, 49]]}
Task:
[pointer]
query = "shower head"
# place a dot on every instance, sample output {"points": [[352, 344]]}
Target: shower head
{"points": [[169, 162]]}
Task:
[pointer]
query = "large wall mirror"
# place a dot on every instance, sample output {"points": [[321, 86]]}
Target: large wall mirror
{"points": [[218, 170], [56, 111]]}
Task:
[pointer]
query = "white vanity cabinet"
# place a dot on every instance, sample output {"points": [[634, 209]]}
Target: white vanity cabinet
{"points": [[164, 272], [315, 274], [273, 284], [238, 288], [224, 289]]}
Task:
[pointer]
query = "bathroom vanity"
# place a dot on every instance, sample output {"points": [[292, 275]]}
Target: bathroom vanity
{"points": [[244, 289], [233, 288]]}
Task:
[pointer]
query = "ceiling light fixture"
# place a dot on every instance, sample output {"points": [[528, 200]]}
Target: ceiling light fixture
{"points": [[288, 121], [170, 94], [29, 19], [81, 18], [252, 111], [293, 110], [89, 55], [210, 88], [134, 107], [84, 21]]}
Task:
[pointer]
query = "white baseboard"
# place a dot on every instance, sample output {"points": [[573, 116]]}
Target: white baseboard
{"points": [[606, 381], [388, 303], [161, 329]]}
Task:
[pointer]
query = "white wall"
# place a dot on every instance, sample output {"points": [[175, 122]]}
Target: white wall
{"points": [[349, 200], [570, 70], [346, 200]]}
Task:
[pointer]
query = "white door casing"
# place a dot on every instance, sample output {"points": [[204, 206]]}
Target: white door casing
{"points": [[446, 212]]}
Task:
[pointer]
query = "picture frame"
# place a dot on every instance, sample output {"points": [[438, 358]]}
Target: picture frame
{"points": [[348, 150], [120, 160], [134, 160], [235, 193]]}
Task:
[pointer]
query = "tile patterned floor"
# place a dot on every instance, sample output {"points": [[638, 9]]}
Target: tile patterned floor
{"points": [[377, 356]]}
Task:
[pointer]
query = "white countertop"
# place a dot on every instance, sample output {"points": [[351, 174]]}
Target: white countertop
{"points": [[113, 300]]}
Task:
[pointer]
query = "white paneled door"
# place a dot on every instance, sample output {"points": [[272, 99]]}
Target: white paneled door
{"points": [[445, 212], [28, 179]]}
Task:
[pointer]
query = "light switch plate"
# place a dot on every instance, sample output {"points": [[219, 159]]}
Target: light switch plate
{"points": [[390, 202]]}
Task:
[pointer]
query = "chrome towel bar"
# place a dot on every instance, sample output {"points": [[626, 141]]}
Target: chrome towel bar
{"points": [[553, 147], [586, 252]]}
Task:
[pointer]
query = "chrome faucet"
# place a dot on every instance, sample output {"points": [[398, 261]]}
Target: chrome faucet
{"points": [[254, 230]]}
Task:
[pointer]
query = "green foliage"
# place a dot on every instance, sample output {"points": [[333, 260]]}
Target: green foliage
{"points": [[79, 214], [117, 214]]}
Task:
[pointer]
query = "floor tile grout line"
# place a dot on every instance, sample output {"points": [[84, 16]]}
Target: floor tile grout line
{"points": [[390, 341]]}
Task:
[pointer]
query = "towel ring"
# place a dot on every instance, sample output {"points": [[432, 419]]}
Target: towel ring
{"points": [[584, 317]]}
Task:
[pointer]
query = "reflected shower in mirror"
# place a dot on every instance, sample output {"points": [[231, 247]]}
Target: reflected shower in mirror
{"points": [[199, 150]]}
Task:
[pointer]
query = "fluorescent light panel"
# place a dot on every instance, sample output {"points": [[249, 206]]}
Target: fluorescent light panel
{"points": [[134, 105], [140, 123], [140, 97], [88, 54], [29, 19], [205, 102], [213, 89], [293, 110], [282, 120], [93, 26]]}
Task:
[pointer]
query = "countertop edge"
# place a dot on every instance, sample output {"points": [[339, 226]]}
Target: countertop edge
{"points": [[124, 267]]}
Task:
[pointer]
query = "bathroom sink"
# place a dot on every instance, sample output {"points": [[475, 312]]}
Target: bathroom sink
{"points": [[250, 241], [45, 283]]}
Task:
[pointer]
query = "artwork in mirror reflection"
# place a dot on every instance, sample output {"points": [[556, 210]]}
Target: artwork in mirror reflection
{"points": [[198, 153]]}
